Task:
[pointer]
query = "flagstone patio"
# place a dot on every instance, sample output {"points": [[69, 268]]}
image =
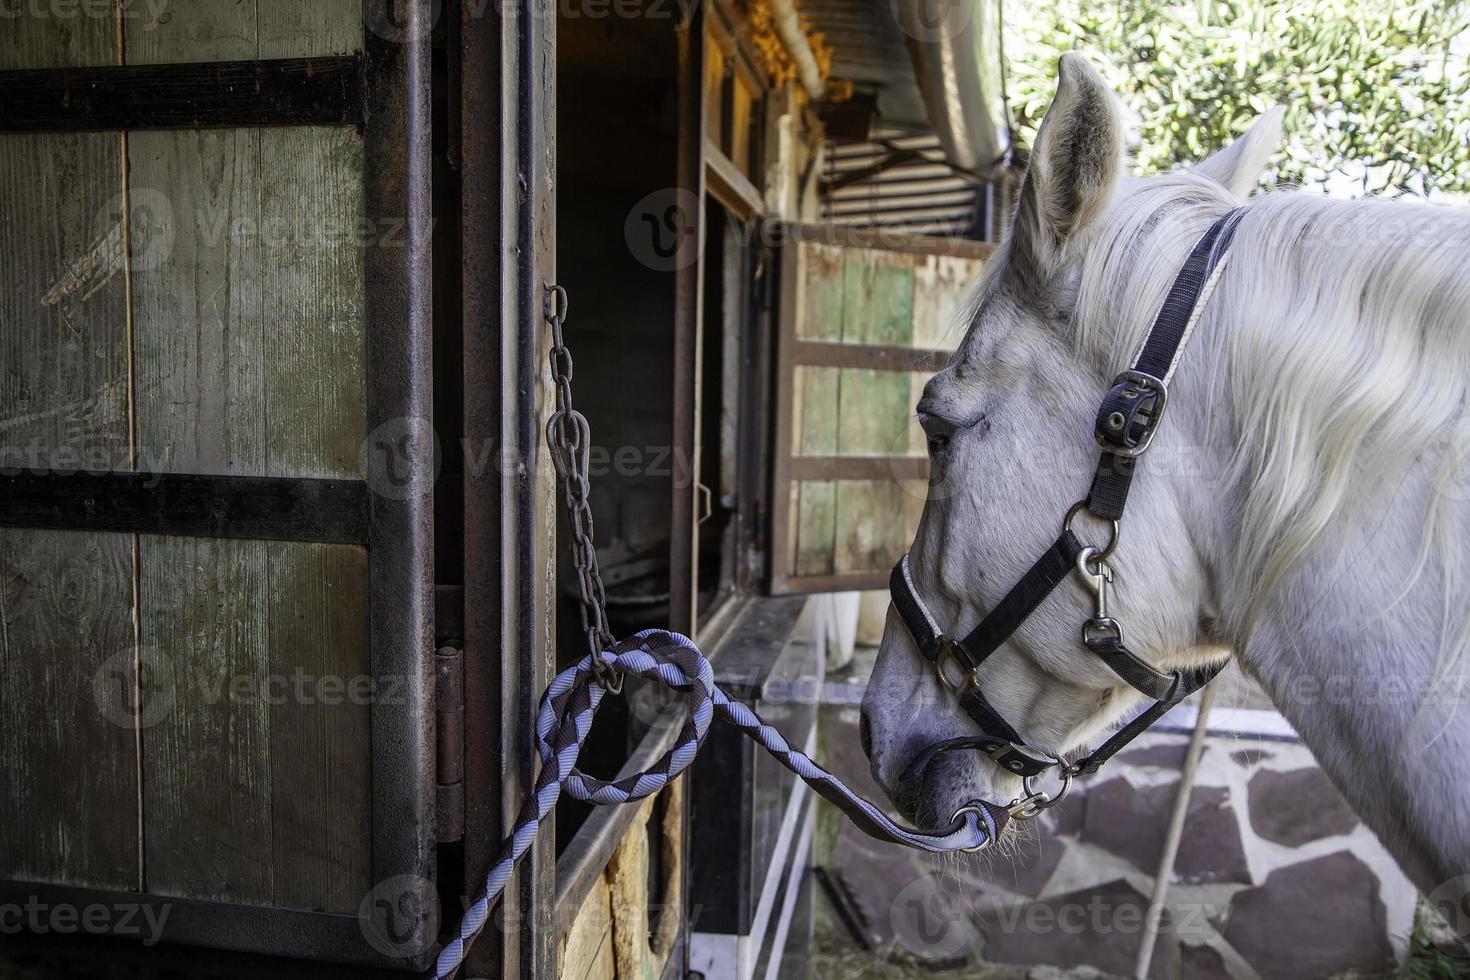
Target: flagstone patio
{"points": [[1275, 877]]}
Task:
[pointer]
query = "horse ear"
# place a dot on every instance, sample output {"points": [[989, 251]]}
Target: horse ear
{"points": [[1239, 166], [1075, 166]]}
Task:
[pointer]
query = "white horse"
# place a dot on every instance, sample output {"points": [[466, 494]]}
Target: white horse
{"points": [[1305, 504]]}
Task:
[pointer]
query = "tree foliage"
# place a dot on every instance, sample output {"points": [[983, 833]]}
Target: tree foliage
{"points": [[1375, 90]]}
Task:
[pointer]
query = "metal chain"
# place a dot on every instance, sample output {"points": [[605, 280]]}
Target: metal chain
{"points": [[570, 440]]}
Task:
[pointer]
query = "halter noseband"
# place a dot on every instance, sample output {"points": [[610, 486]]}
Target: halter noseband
{"points": [[1126, 424]]}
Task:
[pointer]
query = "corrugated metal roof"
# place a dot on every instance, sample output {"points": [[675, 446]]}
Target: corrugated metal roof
{"points": [[922, 195]]}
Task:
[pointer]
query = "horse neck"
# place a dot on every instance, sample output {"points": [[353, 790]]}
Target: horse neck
{"points": [[1356, 638]]}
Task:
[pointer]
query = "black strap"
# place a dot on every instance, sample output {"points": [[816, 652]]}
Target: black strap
{"points": [[911, 780], [1137, 672], [1188, 682], [1133, 408], [1161, 349], [1040, 580], [912, 613]]}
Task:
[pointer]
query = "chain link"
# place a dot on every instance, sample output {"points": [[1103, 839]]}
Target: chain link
{"points": [[570, 440]]}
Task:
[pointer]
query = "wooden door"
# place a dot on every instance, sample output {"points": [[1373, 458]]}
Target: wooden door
{"points": [[865, 320], [216, 560]]}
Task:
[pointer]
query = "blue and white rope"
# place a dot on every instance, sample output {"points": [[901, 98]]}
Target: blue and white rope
{"points": [[565, 717]]}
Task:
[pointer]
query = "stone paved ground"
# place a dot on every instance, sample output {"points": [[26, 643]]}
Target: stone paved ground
{"points": [[1275, 877]]}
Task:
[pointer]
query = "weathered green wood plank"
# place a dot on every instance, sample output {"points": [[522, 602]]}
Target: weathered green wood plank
{"points": [[208, 30], [33, 36], [878, 298], [815, 417], [251, 351], [816, 526], [312, 265], [68, 759], [940, 285], [820, 313], [198, 303], [917, 441], [874, 413], [315, 345], [320, 740], [870, 535], [207, 775]]}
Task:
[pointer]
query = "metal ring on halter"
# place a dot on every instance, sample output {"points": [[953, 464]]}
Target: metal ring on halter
{"points": [[1031, 805], [975, 809], [1102, 553]]}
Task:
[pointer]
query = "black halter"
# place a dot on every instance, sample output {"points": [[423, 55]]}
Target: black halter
{"points": [[1125, 426]]}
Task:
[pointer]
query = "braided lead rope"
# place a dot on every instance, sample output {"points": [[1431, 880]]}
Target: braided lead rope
{"points": [[562, 724]]}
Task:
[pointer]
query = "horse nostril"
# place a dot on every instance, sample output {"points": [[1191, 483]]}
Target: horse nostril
{"points": [[865, 732]]}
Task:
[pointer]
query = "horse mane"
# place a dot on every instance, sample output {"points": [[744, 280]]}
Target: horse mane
{"points": [[1343, 355]]}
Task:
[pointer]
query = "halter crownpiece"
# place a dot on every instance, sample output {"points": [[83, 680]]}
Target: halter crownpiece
{"points": [[1126, 424]]}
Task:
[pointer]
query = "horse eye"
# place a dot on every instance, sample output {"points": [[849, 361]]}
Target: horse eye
{"points": [[938, 429]]}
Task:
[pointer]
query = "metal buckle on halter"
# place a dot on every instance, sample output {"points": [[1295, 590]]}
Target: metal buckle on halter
{"points": [[1130, 414], [947, 652]]}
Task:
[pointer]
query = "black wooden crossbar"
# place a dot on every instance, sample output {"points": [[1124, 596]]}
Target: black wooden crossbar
{"points": [[261, 508], [281, 92]]}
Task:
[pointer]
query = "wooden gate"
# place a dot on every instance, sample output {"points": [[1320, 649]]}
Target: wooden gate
{"points": [[865, 321]]}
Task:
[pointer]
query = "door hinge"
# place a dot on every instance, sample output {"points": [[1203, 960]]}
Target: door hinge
{"points": [[449, 743]]}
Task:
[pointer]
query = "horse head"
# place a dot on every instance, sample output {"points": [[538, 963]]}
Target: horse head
{"points": [[1008, 425]]}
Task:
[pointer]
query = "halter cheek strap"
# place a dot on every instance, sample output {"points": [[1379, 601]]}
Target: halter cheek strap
{"points": [[1126, 424]]}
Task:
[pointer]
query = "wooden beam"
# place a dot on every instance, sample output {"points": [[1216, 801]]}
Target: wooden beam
{"points": [[276, 92], [859, 468], [888, 239], [729, 186], [872, 357], [258, 508]]}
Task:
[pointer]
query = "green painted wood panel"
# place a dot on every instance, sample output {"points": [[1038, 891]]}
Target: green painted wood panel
{"points": [[68, 756], [820, 314], [33, 36], [814, 427], [941, 283], [186, 31], [871, 534], [878, 298], [816, 519], [874, 413], [251, 358]]}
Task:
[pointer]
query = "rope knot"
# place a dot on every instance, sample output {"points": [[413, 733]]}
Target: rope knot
{"points": [[566, 713]]}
